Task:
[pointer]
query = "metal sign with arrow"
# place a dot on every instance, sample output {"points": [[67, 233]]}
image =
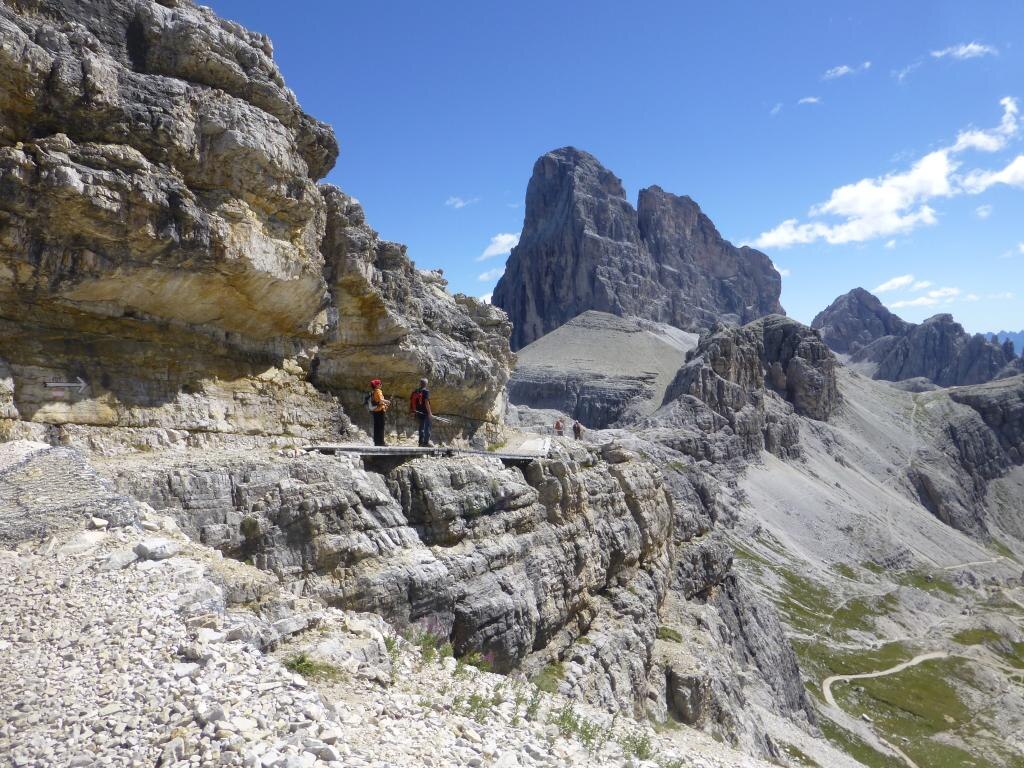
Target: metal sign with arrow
{"points": [[79, 384]]}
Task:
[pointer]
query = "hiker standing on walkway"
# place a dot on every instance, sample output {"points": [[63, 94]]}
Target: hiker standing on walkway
{"points": [[378, 407], [559, 427], [419, 406], [577, 430]]}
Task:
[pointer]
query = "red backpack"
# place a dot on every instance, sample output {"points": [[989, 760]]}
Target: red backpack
{"points": [[417, 403]]}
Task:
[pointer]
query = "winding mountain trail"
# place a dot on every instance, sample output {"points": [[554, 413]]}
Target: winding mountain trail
{"points": [[826, 686], [826, 689], [990, 561]]}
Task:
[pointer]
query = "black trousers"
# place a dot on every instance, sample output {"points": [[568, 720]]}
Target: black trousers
{"points": [[378, 427], [424, 429]]}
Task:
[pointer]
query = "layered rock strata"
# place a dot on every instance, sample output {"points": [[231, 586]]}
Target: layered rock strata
{"points": [[746, 383], [163, 239], [501, 562], [583, 246]]}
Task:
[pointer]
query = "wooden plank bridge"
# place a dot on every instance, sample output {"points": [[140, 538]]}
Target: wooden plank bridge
{"points": [[535, 448]]}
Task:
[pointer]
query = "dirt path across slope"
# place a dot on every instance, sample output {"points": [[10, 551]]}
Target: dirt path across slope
{"points": [[826, 689]]}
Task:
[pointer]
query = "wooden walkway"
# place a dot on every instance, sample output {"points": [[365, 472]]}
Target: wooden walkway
{"points": [[535, 449]]}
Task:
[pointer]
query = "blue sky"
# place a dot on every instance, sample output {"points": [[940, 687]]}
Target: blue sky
{"points": [[900, 166]]}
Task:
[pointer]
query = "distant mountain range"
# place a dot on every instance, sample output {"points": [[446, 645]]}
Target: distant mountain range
{"points": [[857, 324]]}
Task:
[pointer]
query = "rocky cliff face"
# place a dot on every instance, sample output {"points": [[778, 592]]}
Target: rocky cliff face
{"points": [[855, 320], [516, 566], [583, 246], [163, 237], [938, 349], [752, 379]]}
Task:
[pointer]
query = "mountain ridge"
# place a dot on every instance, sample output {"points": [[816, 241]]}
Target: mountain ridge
{"points": [[938, 349]]}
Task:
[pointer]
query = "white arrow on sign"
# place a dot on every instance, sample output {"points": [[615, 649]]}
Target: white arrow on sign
{"points": [[80, 385]]}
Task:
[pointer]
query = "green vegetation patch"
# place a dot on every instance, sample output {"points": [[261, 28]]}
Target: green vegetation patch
{"points": [[825, 661], [812, 608], [857, 748], [311, 668], [548, 678], [976, 636], [911, 707], [846, 571], [926, 582], [1012, 653], [667, 633], [799, 757], [478, 660]]}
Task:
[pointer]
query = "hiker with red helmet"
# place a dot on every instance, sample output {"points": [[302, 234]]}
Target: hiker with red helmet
{"points": [[378, 405]]}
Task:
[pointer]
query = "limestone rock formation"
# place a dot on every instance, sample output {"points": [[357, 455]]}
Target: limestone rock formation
{"points": [[399, 323], [163, 237], [938, 349], [855, 320], [599, 368], [1001, 406], [583, 246], [499, 562], [744, 374]]}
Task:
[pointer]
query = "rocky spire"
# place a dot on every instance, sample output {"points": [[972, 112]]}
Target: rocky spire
{"points": [[584, 246]]}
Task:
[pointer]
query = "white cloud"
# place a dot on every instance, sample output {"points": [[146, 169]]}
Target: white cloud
{"points": [[894, 284], [809, 100], [995, 139], [983, 211], [776, 109], [784, 271], [1012, 175], [491, 274], [898, 202], [501, 244], [902, 74], [1020, 247], [486, 298], [943, 293], [845, 69], [966, 51], [460, 202], [1003, 296], [920, 301], [920, 285], [891, 244], [972, 297]]}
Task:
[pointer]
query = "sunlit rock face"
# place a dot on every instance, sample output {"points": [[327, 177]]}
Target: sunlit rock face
{"points": [[399, 323], [163, 237]]}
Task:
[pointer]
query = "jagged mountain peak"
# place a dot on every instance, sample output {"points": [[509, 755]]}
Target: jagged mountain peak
{"points": [[937, 349], [584, 246]]}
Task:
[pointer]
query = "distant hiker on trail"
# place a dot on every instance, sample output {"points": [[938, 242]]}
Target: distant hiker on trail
{"points": [[577, 430], [378, 405], [559, 427], [419, 406]]}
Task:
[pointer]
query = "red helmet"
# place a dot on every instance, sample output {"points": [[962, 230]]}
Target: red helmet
{"points": [[375, 383]]}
